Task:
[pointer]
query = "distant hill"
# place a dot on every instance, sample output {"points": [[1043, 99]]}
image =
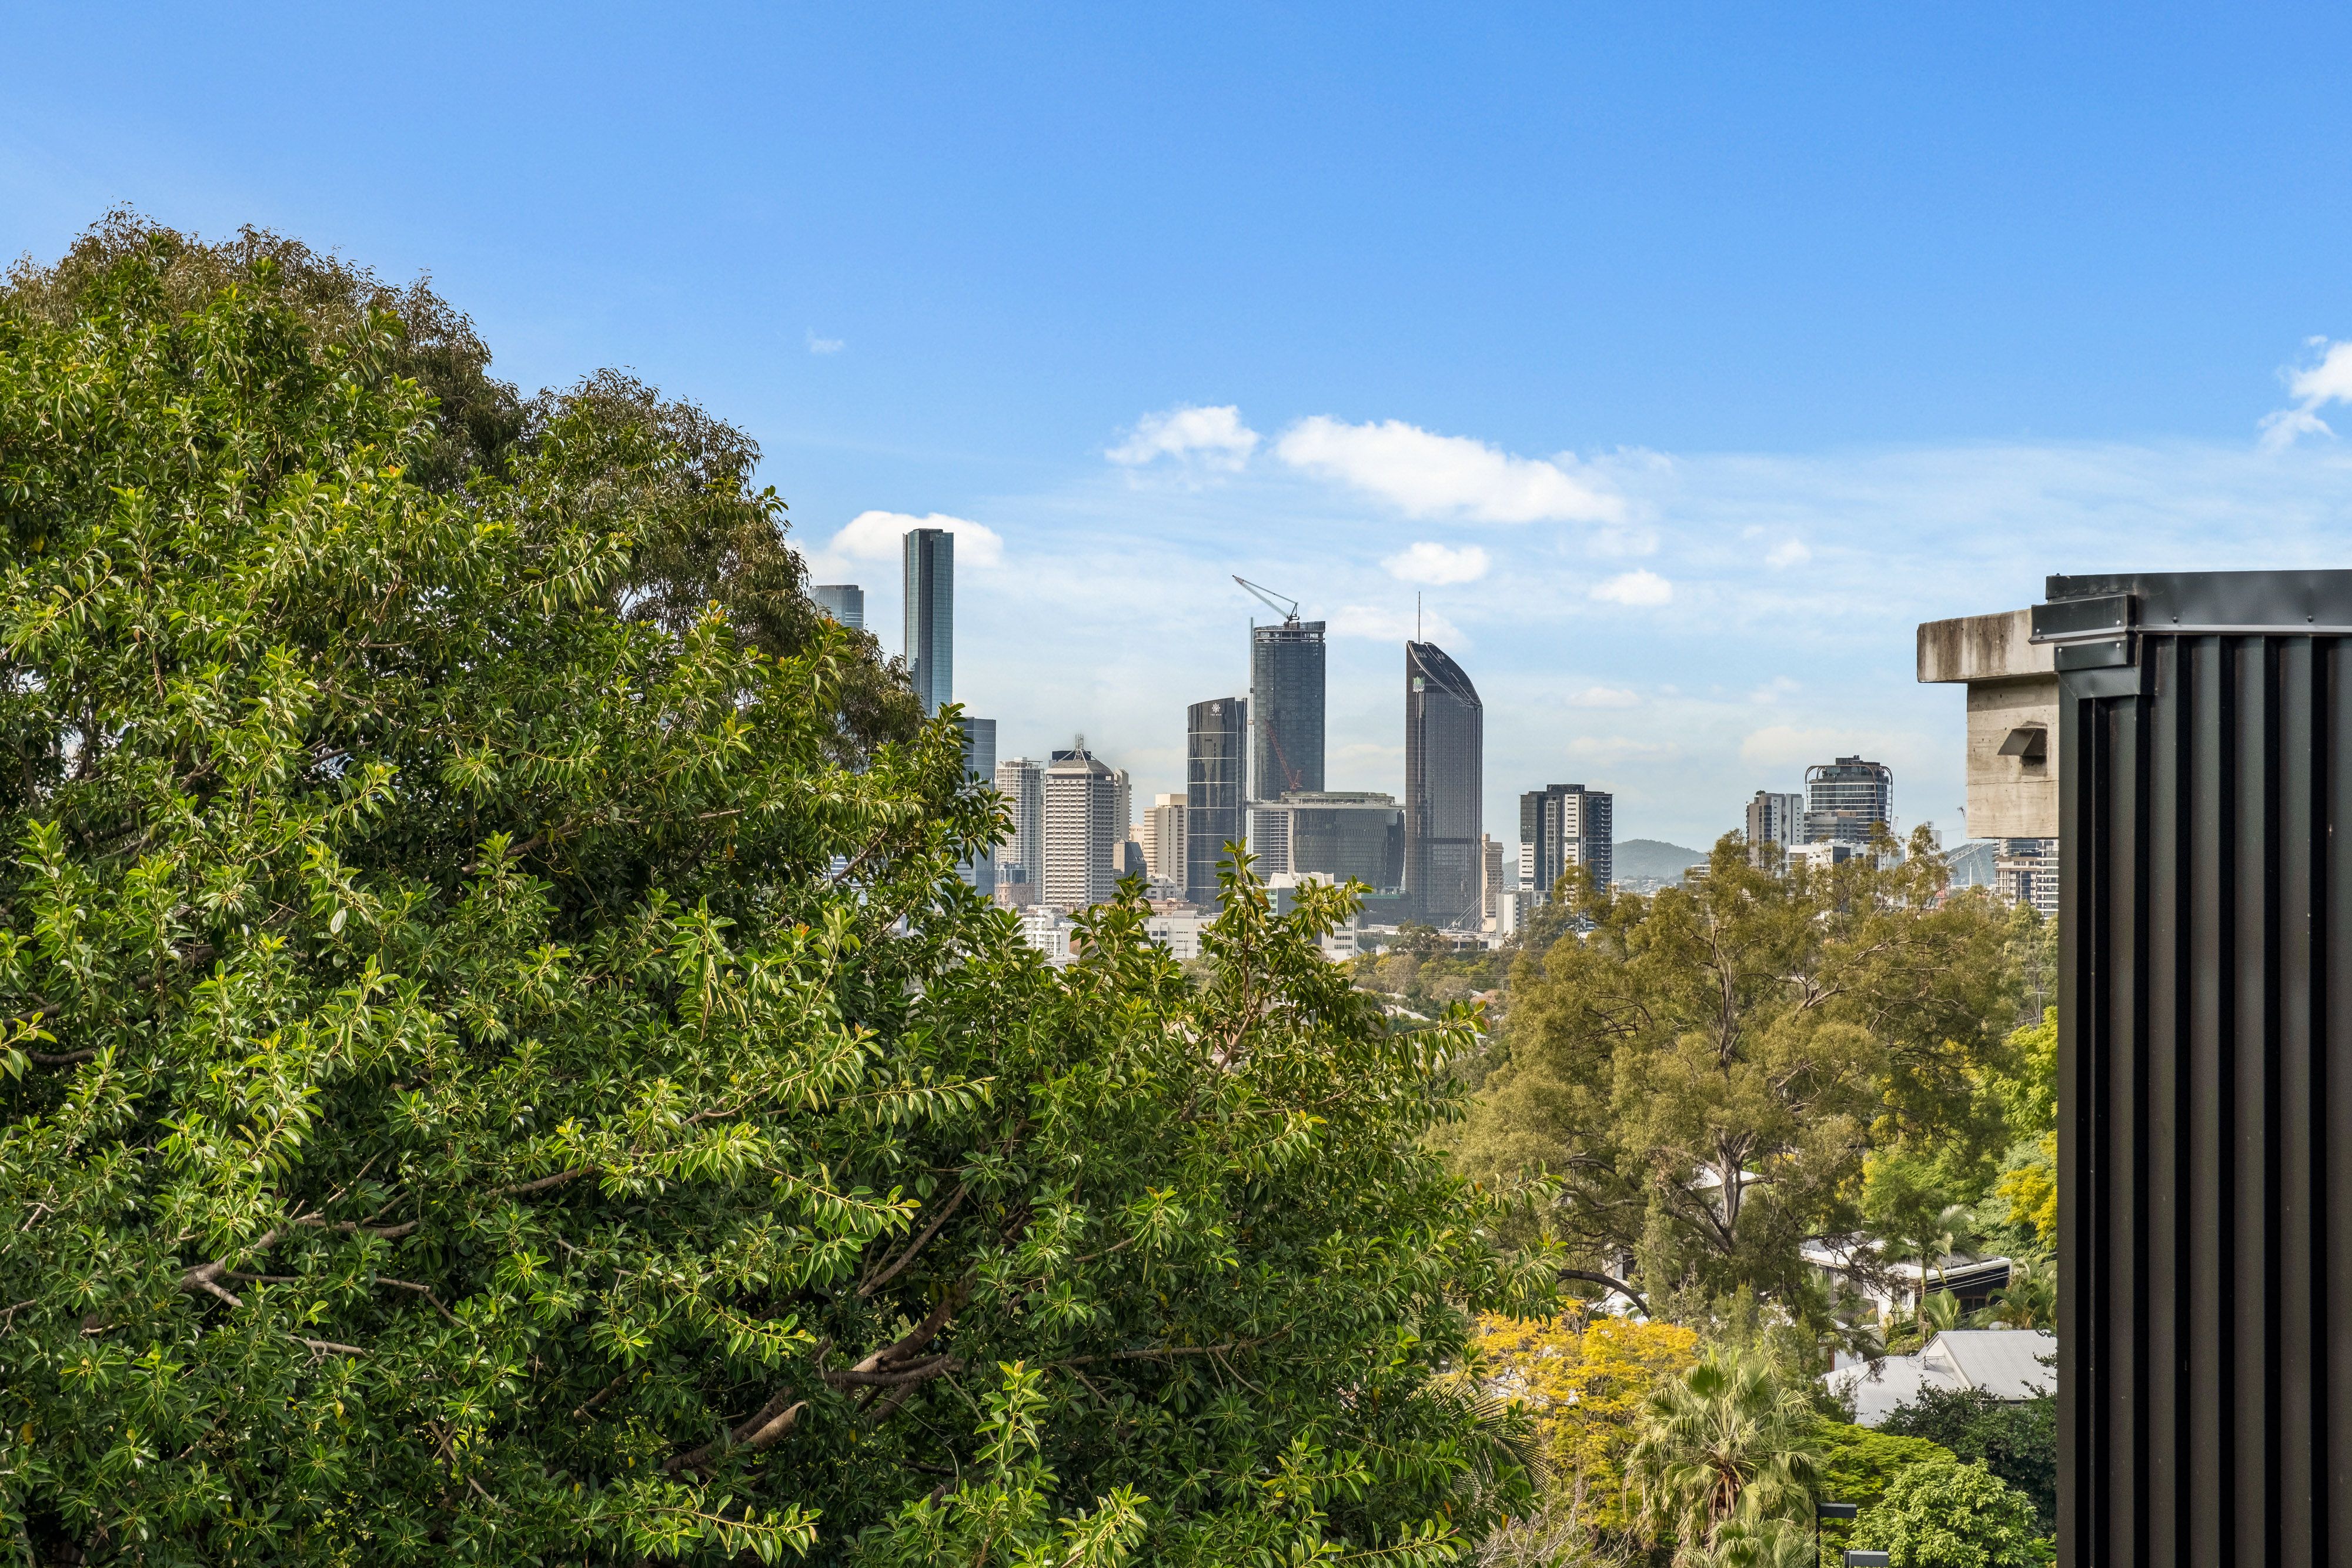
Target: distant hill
{"points": [[1653, 860]]}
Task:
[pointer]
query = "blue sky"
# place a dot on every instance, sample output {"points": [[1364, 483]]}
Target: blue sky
{"points": [[1684, 356]]}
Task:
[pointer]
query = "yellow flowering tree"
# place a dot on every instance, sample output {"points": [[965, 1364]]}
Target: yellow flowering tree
{"points": [[1584, 1379]]}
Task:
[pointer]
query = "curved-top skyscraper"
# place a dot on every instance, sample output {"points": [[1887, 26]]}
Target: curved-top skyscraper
{"points": [[1445, 773]]}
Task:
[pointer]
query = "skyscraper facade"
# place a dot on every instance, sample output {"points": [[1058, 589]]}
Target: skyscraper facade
{"points": [[1216, 753], [980, 769], [1563, 826], [1347, 835], [1846, 799], [1162, 837], [844, 601], [930, 615], [1083, 834], [1774, 819], [1285, 708], [1445, 768], [1022, 781]]}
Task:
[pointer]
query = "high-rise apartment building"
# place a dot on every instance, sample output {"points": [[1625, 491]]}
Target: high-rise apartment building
{"points": [[979, 769], [1445, 768], [1162, 837], [1022, 782], [2025, 871], [1083, 834], [1563, 826], [1286, 707], [844, 601], [1346, 835], [1490, 877], [930, 615], [1774, 819], [1846, 799], [1216, 752]]}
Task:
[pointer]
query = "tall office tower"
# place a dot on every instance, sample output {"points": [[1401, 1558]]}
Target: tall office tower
{"points": [[1123, 802], [1774, 819], [930, 616], [1490, 875], [844, 601], [1563, 826], [1347, 835], [1287, 706], [1083, 834], [980, 769], [1216, 750], [1445, 773], [1846, 799], [1022, 782], [1163, 840]]}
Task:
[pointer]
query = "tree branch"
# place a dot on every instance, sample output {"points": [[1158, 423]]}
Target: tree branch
{"points": [[1593, 1277], [917, 1245]]}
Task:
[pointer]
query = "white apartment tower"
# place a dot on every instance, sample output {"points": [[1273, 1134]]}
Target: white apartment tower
{"points": [[1162, 837], [1083, 831]]}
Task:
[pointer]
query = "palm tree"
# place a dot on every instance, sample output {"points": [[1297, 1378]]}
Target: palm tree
{"points": [[1728, 1444], [2030, 1300], [1939, 1311]]}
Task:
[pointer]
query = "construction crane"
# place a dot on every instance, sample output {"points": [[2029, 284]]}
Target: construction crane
{"points": [[1289, 607]]}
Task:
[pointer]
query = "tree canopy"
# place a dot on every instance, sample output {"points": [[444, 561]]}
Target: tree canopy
{"points": [[1705, 1069], [499, 1067]]}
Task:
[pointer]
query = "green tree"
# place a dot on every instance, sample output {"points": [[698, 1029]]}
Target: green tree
{"points": [[1731, 1440], [496, 1063], [1858, 1463], [2017, 1440], [1951, 1515], [1705, 1069]]}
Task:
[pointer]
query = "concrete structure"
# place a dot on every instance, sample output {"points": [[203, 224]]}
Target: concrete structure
{"points": [[1445, 782], [1774, 819], [1216, 754], [930, 615], [1490, 878], [1083, 834], [1847, 800], [2012, 719], [1162, 834], [1563, 826], [1178, 930], [1287, 707], [1821, 856], [980, 768], [1047, 930], [1345, 835], [1013, 888], [1022, 781], [844, 601], [2004, 1363]]}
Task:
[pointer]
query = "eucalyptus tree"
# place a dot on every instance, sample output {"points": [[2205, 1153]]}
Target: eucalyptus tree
{"points": [[496, 1063]]}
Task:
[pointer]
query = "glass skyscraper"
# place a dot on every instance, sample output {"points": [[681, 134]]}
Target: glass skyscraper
{"points": [[980, 770], [1846, 799], [930, 616], [1286, 704], [1216, 747], [844, 601], [1564, 825], [1445, 773]]}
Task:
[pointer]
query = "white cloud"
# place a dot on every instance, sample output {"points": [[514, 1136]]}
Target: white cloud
{"points": [[1427, 475], [1636, 588], [1604, 696], [876, 536], [1622, 749], [1381, 624], [1789, 747], [825, 345], [1791, 552], [1212, 437], [1773, 690], [1436, 564], [2314, 387], [1617, 543]]}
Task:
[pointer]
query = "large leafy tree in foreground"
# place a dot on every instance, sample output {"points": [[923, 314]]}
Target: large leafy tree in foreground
{"points": [[498, 1066]]}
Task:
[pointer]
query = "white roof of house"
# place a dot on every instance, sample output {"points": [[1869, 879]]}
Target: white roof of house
{"points": [[2003, 1363]]}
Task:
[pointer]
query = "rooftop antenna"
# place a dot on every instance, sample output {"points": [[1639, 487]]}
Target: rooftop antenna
{"points": [[1289, 607]]}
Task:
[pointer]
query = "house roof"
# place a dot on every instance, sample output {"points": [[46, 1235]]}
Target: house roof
{"points": [[2003, 1363]]}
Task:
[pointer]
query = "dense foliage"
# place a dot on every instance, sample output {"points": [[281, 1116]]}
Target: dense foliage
{"points": [[1706, 1069], [1946, 1514], [499, 1067], [2016, 1441]]}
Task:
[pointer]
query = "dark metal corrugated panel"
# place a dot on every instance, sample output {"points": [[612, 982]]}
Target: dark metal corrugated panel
{"points": [[2205, 1186]]}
